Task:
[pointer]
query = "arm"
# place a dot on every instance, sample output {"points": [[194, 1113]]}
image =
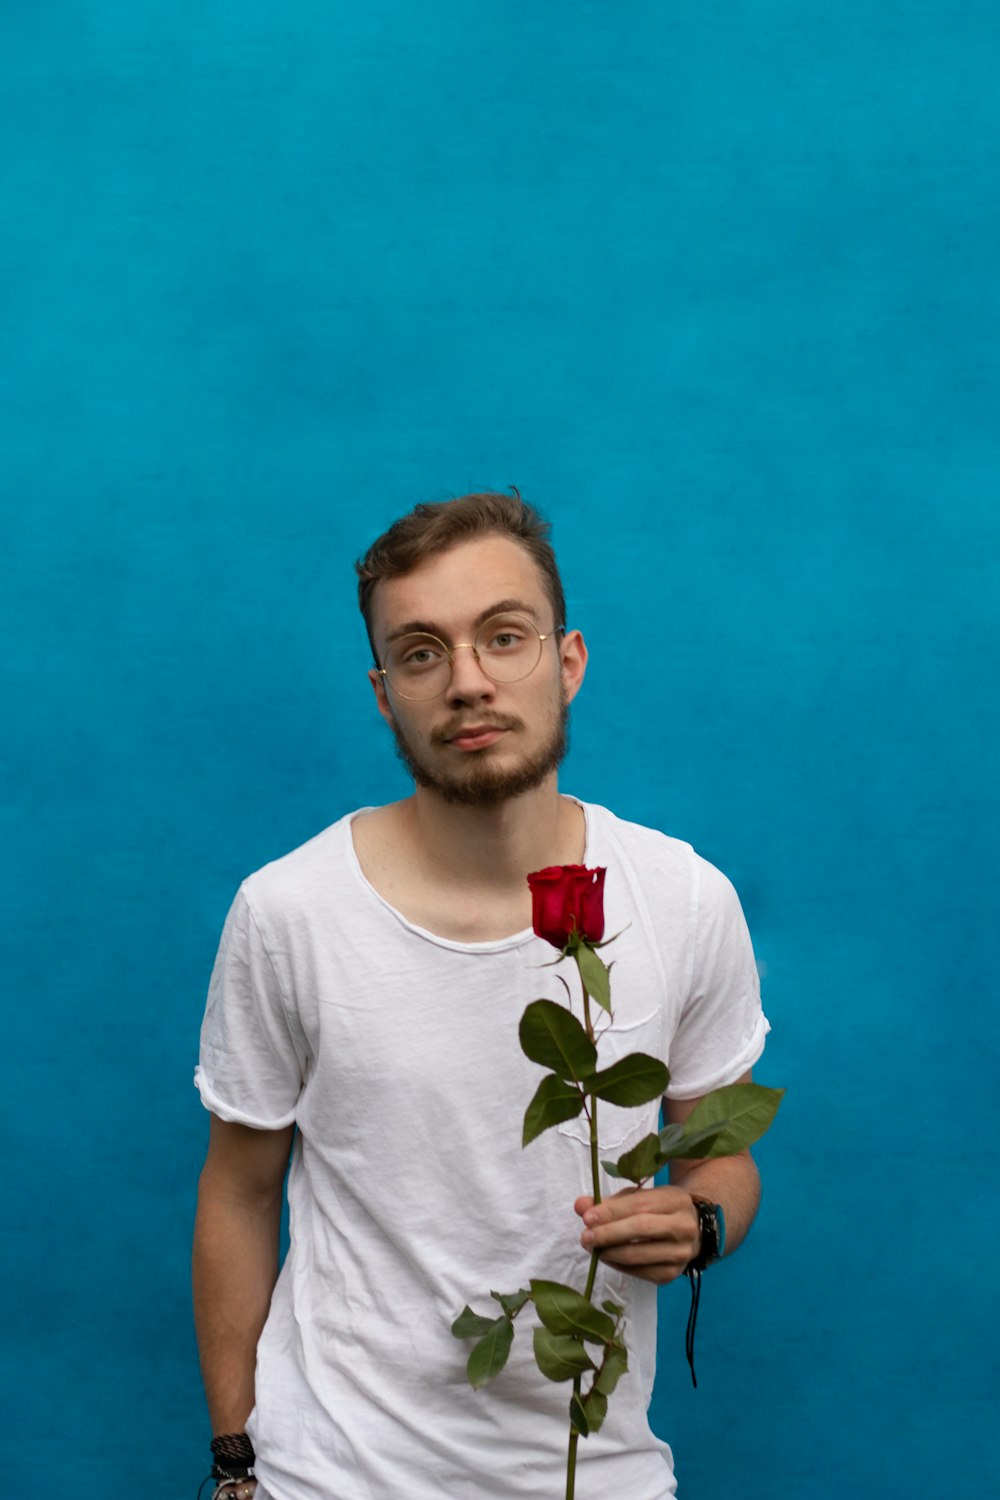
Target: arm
{"points": [[653, 1232], [235, 1261]]}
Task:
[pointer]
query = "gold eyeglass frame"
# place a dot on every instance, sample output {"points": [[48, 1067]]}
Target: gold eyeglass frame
{"points": [[449, 652]]}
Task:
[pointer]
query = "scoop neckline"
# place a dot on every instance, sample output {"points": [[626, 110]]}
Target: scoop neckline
{"points": [[495, 945]]}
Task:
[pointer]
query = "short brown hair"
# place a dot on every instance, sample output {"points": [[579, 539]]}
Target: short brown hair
{"points": [[432, 528]]}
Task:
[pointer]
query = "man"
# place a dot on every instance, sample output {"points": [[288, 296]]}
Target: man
{"points": [[363, 1017]]}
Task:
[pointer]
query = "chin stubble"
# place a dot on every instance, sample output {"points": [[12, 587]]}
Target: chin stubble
{"points": [[485, 785]]}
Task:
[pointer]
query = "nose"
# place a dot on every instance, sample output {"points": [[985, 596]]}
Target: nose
{"points": [[469, 683]]}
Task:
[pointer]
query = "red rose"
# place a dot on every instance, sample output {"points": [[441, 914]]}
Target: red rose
{"points": [[567, 899]]}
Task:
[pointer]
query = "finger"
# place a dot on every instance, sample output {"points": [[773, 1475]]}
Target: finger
{"points": [[678, 1246], [647, 1253], [659, 1275], [581, 1206], [656, 1261], [646, 1240], [675, 1224], [630, 1201]]}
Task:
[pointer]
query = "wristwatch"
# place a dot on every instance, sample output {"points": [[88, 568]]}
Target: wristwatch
{"points": [[713, 1233]]}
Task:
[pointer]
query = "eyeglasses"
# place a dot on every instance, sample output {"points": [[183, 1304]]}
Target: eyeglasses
{"points": [[506, 647]]}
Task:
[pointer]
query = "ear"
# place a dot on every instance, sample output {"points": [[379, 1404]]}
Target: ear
{"points": [[573, 663], [381, 696]]}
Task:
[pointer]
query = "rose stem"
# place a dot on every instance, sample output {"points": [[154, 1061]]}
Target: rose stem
{"points": [[571, 1456], [574, 1436], [592, 1112]]}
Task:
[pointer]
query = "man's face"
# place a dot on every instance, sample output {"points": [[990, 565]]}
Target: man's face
{"points": [[481, 742]]}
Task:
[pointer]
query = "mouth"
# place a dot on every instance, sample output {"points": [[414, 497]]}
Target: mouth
{"points": [[476, 737]]}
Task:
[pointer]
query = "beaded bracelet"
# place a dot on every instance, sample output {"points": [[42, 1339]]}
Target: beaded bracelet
{"points": [[223, 1492]]}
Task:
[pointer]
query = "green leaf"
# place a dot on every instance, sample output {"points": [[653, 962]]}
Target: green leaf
{"points": [[595, 1406], [553, 1037], [670, 1136], [722, 1123], [469, 1325], [636, 1079], [642, 1160], [559, 1356], [595, 976], [614, 1308], [747, 1109], [697, 1143], [553, 1102], [512, 1302], [578, 1417], [706, 1133], [614, 1367], [489, 1356], [564, 1310]]}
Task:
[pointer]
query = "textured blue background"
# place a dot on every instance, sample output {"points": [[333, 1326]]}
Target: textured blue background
{"points": [[715, 285]]}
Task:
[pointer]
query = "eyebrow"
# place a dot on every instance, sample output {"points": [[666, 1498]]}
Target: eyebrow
{"points": [[428, 627]]}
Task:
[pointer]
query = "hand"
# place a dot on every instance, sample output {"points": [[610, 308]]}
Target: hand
{"points": [[651, 1233]]}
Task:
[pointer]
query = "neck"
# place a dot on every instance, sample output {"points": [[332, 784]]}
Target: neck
{"points": [[495, 847]]}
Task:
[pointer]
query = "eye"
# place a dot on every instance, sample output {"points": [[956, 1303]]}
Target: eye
{"points": [[419, 655], [504, 635]]}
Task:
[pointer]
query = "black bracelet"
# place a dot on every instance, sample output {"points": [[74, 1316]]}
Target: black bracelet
{"points": [[233, 1456]]}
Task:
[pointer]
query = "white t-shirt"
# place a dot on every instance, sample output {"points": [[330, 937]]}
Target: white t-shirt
{"points": [[396, 1054]]}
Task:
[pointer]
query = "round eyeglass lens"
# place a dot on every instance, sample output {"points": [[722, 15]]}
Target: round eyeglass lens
{"points": [[418, 666], [506, 646]]}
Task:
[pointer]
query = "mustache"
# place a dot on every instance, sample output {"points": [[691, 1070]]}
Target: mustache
{"points": [[455, 725]]}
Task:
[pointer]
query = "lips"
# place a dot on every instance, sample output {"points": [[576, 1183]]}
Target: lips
{"points": [[476, 737], [474, 734]]}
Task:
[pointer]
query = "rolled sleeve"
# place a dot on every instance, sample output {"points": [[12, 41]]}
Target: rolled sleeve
{"points": [[250, 1070], [722, 1029]]}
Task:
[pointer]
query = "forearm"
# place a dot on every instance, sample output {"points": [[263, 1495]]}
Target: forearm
{"points": [[234, 1268], [731, 1181]]}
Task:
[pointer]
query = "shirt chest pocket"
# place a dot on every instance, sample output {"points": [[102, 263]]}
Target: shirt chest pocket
{"points": [[619, 1127]]}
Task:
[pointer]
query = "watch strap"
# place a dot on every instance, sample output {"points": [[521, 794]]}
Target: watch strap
{"points": [[712, 1223]]}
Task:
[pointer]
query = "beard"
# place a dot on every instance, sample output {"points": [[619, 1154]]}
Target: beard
{"points": [[481, 783]]}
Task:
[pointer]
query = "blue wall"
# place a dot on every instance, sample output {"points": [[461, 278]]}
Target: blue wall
{"points": [[715, 285]]}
